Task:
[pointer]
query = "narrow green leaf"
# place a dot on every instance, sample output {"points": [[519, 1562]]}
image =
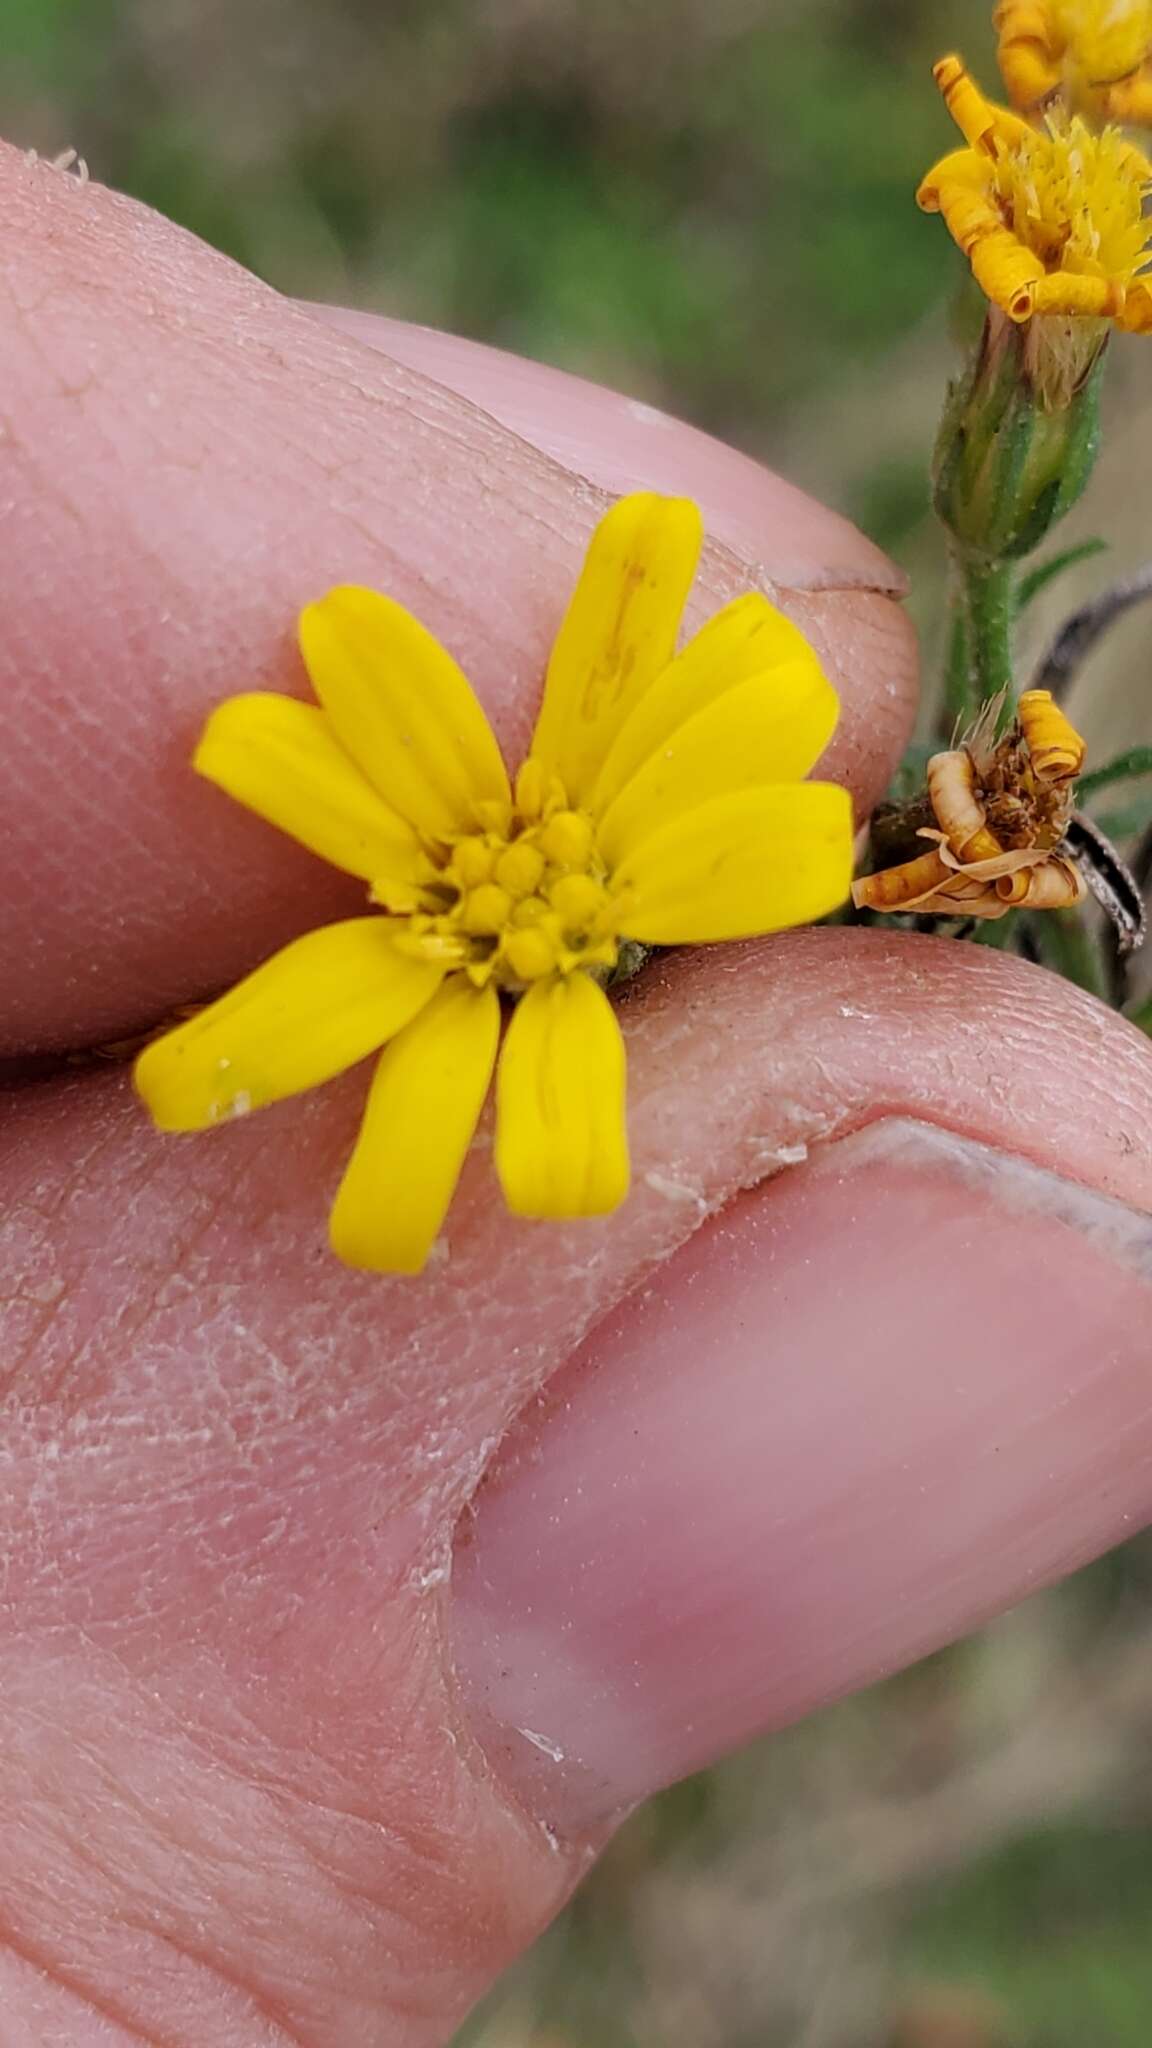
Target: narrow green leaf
{"points": [[1038, 579], [1137, 761], [1128, 820]]}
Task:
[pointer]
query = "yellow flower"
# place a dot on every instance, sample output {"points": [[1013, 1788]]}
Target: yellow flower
{"points": [[1094, 54], [662, 801], [1051, 221]]}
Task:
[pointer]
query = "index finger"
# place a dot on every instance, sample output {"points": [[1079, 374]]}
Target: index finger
{"points": [[188, 459]]}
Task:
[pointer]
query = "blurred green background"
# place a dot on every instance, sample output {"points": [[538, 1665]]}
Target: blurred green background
{"points": [[708, 203]]}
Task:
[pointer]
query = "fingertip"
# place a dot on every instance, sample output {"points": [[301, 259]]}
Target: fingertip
{"points": [[624, 444]]}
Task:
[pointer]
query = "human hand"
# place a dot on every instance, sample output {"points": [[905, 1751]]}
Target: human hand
{"points": [[295, 1745]]}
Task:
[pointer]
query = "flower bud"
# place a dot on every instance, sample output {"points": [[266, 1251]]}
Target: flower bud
{"points": [[1013, 453]]}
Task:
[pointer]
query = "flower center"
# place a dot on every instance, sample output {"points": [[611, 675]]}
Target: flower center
{"points": [[1076, 200], [524, 895]]}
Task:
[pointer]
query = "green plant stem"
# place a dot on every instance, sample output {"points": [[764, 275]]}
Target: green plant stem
{"points": [[989, 610], [957, 678], [1141, 1016], [979, 660], [999, 933], [1138, 761]]}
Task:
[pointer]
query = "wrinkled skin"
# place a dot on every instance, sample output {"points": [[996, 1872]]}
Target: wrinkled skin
{"points": [[260, 1780]]}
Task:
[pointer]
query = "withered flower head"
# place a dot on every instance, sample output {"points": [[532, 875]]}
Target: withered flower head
{"points": [[996, 812]]}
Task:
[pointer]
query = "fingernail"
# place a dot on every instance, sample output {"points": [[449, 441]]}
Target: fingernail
{"points": [[622, 444], [877, 1400]]}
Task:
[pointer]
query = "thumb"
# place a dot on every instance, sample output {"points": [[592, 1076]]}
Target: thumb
{"points": [[872, 1402]]}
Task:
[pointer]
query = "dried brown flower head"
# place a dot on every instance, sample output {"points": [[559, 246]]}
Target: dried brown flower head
{"points": [[996, 812]]}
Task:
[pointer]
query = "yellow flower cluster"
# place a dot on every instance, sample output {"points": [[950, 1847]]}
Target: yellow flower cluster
{"points": [[1051, 220], [662, 801], [1094, 55]]}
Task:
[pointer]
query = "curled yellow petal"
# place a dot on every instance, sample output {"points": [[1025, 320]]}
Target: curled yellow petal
{"points": [[1130, 101], [423, 1109], [770, 728], [316, 1007], [1102, 43], [1008, 274], [1136, 317], [1088, 298], [561, 1136], [983, 124], [1056, 885], [1029, 50], [282, 759], [959, 187], [1056, 748], [758, 861], [619, 632], [903, 887], [403, 709], [748, 638]]}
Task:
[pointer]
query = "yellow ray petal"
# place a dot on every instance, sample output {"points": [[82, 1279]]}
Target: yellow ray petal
{"points": [[959, 166], [768, 729], [755, 862], [422, 1112], [1007, 273], [1063, 292], [746, 638], [619, 632], [321, 1004], [1137, 315], [561, 1136], [283, 760], [403, 709], [1130, 101], [960, 187], [1030, 46], [983, 124]]}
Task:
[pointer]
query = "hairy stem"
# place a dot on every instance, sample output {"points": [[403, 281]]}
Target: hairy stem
{"points": [[954, 706], [980, 658]]}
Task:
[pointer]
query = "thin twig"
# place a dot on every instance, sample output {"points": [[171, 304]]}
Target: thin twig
{"points": [[1079, 633]]}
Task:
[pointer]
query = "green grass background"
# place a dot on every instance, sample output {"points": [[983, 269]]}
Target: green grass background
{"points": [[709, 204]]}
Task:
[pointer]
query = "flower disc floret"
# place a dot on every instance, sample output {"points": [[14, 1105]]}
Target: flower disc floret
{"points": [[663, 802], [510, 906]]}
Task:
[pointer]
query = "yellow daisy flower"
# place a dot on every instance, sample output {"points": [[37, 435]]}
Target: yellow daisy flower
{"points": [[662, 801], [1094, 54], [1051, 221]]}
